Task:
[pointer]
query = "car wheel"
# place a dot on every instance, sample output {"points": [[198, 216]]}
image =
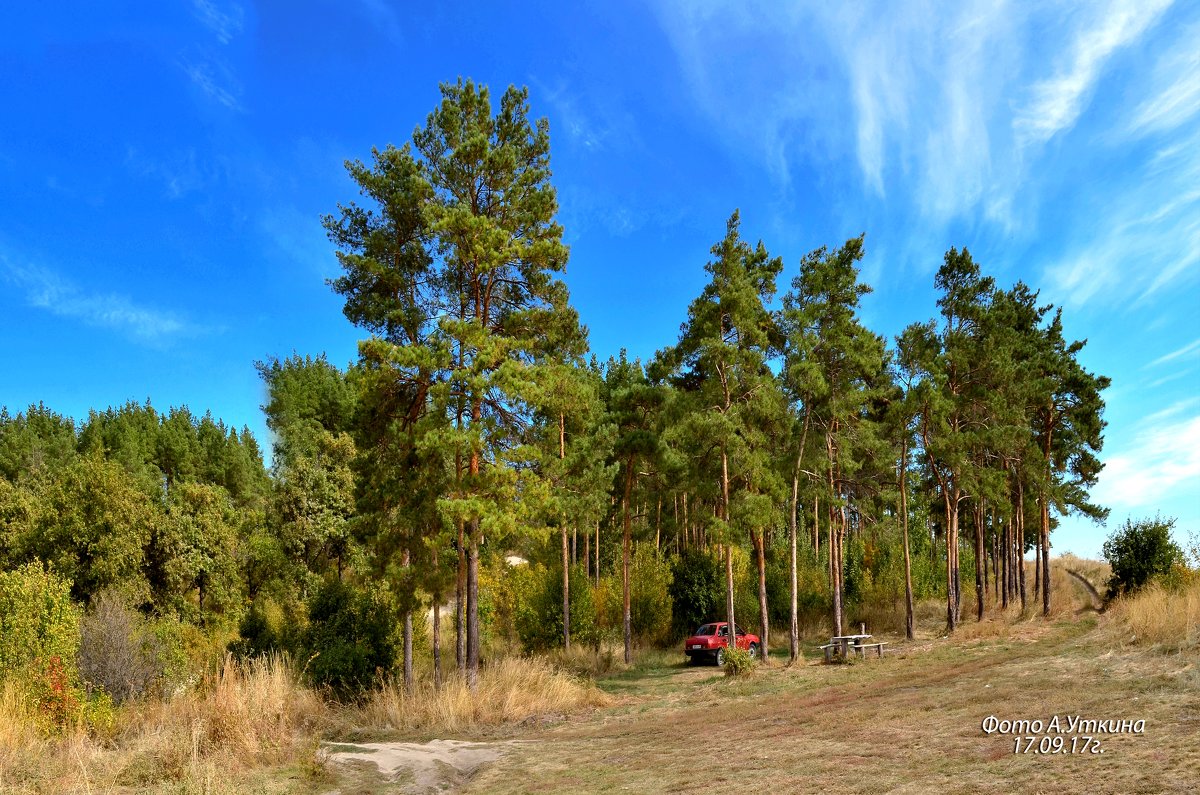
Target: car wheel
{"points": [[720, 658], [753, 651]]}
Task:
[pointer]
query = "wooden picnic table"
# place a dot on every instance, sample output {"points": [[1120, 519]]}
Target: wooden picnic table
{"points": [[847, 642]]}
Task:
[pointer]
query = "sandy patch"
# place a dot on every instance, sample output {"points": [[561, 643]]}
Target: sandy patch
{"points": [[434, 767]]}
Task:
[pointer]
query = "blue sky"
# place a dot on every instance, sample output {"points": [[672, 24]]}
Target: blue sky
{"points": [[164, 168]]}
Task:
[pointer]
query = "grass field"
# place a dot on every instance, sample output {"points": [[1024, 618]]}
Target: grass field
{"points": [[910, 722]]}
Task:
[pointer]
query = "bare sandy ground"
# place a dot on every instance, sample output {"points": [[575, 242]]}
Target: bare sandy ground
{"points": [[417, 768]]}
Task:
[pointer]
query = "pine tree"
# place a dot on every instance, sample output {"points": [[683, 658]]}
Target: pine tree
{"points": [[720, 363], [833, 368], [455, 275]]}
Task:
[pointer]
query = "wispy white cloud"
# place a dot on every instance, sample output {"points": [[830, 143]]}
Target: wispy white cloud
{"points": [[299, 238], [1175, 91], [911, 98], [180, 173], [1186, 350], [215, 80], [592, 128], [1163, 463], [225, 21], [1056, 102], [1166, 379], [45, 289], [1153, 221]]}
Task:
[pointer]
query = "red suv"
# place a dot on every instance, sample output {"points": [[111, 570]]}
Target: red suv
{"points": [[710, 640]]}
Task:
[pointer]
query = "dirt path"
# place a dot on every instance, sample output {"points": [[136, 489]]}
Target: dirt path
{"points": [[412, 768]]}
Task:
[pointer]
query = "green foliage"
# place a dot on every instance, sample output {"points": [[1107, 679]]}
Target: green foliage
{"points": [[38, 621], [526, 606], [34, 443], [93, 527], [697, 590], [257, 635], [650, 595], [738, 662], [39, 640], [198, 547], [307, 398], [350, 641], [1139, 551]]}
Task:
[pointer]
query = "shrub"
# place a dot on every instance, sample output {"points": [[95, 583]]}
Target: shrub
{"points": [[1139, 551], [697, 590], [38, 620], [650, 595], [257, 636], [350, 640], [738, 662], [119, 651]]}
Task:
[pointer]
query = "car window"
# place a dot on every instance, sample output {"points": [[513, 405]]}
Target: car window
{"points": [[723, 632], [741, 631], [707, 629]]}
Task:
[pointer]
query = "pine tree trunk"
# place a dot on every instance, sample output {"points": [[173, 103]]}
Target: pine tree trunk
{"points": [[728, 543], [1045, 540], [566, 559], [908, 589], [764, 618], [460, 606], [437, 643], [566, 584], [979, 561], [626, 621], [1037, 566], [729, 592], [408, 651], [951, 545], [473, 607], [1006, 565], [1019, 547], [793, 530]]}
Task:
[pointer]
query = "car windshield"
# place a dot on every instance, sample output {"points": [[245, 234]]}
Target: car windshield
{"points": [[707, 629]]}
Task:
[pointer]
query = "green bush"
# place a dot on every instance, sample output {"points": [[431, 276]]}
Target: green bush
{"points": [[38, 620], [650, 596], [1139, 551], [350, 640], [738, 662], [39, 645], [257, 636], [531, 600], [697, 590]]}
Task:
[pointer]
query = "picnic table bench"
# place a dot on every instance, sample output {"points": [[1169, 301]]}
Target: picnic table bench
{"points": [[847, 643]]}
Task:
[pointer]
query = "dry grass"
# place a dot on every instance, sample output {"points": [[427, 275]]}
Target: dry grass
{"points": [[908, 723], [1160, 617], [587, 662], [254, 712], [17, 731], [252, 726], [510, 690], [1096, 571], [235, 722]]}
